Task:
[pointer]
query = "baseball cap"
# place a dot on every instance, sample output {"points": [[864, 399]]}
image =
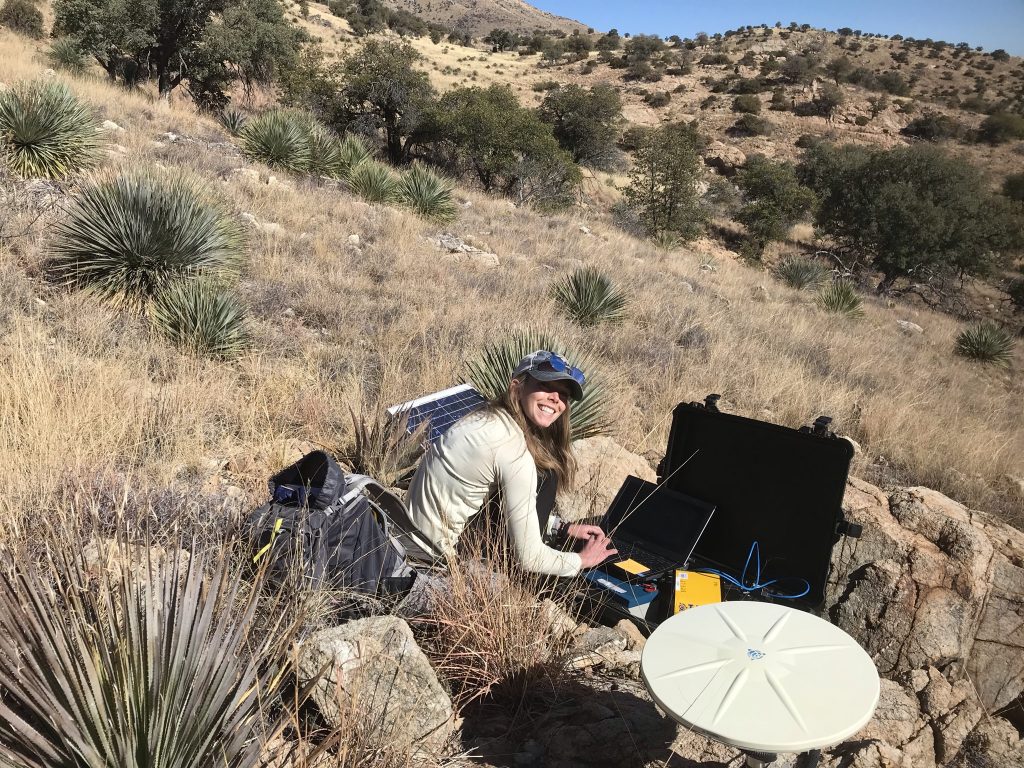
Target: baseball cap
{"points": [[547, 366]]}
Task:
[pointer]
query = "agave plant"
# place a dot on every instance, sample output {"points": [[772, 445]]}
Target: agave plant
{"points": [[280, 138], [588, 297], [201, 316], [130, 237], [428, 194], [375, 182], [491, 372], [65, 54], [353, 152], [841, 298], [233, 121], [45, 131], [152, 661], [798, 272], [383, 447], [666, 240], [987, 342]]}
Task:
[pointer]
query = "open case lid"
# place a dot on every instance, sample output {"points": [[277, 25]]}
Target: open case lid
{"points": [[780, 487]]}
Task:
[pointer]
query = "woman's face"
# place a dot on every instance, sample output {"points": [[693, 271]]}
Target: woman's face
{"points": [[543, 402]]}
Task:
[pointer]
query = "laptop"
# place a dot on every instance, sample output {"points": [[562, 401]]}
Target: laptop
{"points": [[654, 529]]}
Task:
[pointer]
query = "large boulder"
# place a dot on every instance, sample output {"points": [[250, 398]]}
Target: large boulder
{"points": [[932, 583], [602, 465], [373, 675], [724, 158]]}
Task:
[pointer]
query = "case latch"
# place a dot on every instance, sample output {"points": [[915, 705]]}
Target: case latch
{"points": [[820, 428]]}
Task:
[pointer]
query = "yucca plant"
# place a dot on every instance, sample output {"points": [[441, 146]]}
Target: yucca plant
{"points": [[325, 158], [45, 131], [65, 54], [153, 661], [383, 447], [666, 241], [353, 152], [491, 372], [374, 181], [280, 138], [128, 238], [428, 194], [840, 297], [987, 342], [588, 297], [798, 272], [203, 317], [233, 121]]}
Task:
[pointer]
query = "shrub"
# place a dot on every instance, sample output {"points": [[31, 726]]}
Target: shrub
{"points": [[800, 272], [428, 194], [546, 85], [1001, 128], [45, 131], [715, 60], [375, 182], [65, 54], [152, 657], [588, 297], [233, 121], [202, 317], [279, 138], [751, 125], [1013, 186], [840, 297], [987, 342], [658, 100], [491, 372], [773, 199], [779, 101], [131, 237], [933, 127], [861, 120], [747, 103], [23, 17]]}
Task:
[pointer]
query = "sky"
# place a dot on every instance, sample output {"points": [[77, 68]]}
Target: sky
{"points": [[989, 23]]}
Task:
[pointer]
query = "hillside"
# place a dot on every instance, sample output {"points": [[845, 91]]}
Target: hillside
{"points": [[479, 17]]}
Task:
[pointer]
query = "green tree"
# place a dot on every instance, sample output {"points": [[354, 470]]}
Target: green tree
{"points": [[643, 47], [828, 99], [663, 183], [911, 210], [773, 199], [22, 16], [1001, 127], [839, 68], [502, 39], [506, 146], [1013, 187], [585, 122], [382, 90]]}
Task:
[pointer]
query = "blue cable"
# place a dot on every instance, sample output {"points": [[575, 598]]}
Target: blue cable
{"points": [[742, 585]]}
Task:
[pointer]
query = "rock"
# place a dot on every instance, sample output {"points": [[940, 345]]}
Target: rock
{"points": [[458, 251], [170, 137], [760, 294], [857, 450], [995, 742], [724, 158], [560, 622], [270, 228], [909, 327], [110, 125], [288, 313], [952, 730], [602, 465], [595, 647], [354, 240], [897, 717], [249, 174], [585, 229], [112, 558], [635, 640], [376, 673], [688, 287]]}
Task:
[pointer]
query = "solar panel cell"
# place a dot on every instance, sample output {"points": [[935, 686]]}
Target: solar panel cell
{"points": [[440, 409]]}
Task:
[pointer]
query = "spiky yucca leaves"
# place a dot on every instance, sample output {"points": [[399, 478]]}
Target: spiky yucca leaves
{"points": [[233, 121], [841, 298], [383, 447], [280, 138], [588, 297], [375, 182], [152, 662], [987, 342], [353, 152], [325, 157], [203, 317], [799, 272], [491, 372], [130, 237], [428, 194], [45, 131], [64, 54], [667, 241]]}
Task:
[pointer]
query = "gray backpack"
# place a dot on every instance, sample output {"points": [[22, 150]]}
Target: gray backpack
{"points": [[325, 528]]}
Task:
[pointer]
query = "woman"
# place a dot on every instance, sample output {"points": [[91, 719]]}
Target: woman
{"points": [[500, 448]]}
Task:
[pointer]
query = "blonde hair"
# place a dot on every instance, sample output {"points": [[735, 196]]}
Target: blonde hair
{"points": [[551, 448]]}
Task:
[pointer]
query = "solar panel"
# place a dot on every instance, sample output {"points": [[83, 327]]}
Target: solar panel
{"points": [[441, 409]]}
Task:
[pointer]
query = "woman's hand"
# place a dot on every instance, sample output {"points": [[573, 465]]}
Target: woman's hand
{"points": [[597, 549], [582, 532]]}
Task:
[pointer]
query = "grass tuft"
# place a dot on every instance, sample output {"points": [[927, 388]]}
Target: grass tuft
{"points": [[45, 131], [588, 297], [203, 317], [428, 194], [800, 272], [130, 237], [491, 372], [987, 342], [841, 298]]}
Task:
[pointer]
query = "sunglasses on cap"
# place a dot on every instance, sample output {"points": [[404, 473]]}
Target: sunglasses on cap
{"points": [[549, 361]]}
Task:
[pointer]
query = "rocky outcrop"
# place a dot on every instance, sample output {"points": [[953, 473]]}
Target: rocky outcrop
{"points": [[602, 465], [372, 675]]}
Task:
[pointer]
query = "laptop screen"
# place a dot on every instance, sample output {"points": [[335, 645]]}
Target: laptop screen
{"points": [[665, 521]]}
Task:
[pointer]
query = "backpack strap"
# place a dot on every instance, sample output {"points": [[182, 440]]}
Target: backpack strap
{"points": [[391, 507]]}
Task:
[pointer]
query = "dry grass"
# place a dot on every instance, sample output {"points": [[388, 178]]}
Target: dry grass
{"points": [[85, 391]]}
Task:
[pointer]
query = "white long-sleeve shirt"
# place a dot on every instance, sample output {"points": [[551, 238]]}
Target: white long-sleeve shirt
{"points": [[483, 452]]}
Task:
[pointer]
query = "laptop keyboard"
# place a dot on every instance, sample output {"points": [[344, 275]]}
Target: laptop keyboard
{"points": [[630, 550]]}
